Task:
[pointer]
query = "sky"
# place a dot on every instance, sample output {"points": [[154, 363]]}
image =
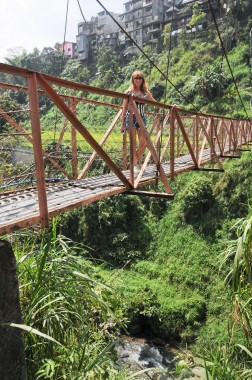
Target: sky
{"points": [[26, 24]]}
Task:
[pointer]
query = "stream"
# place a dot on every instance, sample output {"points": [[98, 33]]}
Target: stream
{"points": [[136, 354]]}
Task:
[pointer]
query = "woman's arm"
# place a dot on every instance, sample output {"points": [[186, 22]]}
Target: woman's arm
{"points": [[149, 96]]}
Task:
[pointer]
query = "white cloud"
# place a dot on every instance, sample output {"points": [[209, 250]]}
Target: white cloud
{"points": [[26, 24]]}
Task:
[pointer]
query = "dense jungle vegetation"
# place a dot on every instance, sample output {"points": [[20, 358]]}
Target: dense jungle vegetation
{"points": [[179, 270]]}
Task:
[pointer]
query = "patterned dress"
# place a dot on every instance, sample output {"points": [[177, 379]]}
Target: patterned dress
{"points": [[140, 107]]}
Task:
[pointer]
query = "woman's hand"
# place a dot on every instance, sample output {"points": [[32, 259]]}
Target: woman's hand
{"points": [[122, 129]]}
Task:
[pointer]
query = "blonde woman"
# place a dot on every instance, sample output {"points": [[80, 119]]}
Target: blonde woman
{"points": [[138, 87]]}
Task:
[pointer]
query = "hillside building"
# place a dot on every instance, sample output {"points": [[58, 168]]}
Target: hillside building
{"points": [[143, 21], [69, 48], [101, 30]]}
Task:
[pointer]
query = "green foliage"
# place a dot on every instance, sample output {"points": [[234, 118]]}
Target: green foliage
{"points": [[153, 305], [240, 274], [198, 17], [233, 190], [196, 198], [220, 366], [166, 32], [10, 102], [210, 82], [48, 60], [239, 9], [74, 70], [173, 287], [157, 91], [51, 277], [231, 359], [108, 67], [121, 221]]}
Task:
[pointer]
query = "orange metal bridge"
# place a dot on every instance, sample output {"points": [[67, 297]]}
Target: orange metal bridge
{"points": [[74, 156]]}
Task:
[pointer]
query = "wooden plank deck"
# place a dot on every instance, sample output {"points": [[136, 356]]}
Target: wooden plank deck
{"points": [[21, 209]]}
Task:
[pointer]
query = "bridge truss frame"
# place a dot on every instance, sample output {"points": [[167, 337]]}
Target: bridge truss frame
{"points": [[189, 133]]}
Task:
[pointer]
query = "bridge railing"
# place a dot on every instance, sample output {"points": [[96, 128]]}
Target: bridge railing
{"points": [[53, 129]]}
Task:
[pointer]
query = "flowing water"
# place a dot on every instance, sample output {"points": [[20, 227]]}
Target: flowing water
{"points": [[136, 354]]}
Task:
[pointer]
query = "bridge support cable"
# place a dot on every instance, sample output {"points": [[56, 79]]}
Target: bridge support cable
{"points": [[226, 57], [165, 99]]}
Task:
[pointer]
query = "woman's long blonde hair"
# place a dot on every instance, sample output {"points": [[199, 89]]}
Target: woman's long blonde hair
{"points": [[144, 86]]}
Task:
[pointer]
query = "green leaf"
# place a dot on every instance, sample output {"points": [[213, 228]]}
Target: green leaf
{"points": [[31, 330]]}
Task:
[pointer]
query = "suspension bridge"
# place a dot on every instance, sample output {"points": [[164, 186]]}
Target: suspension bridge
{"points": [[79, 156]]}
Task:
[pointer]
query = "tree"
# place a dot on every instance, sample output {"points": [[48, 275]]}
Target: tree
{"points": [[166, 34], [28, 61], [108, 66], [8, 102], [210, 82], [48, 61], [157, 90], [52, 61], [238, 8], [198, 17], [120, 220], [74, 70]]}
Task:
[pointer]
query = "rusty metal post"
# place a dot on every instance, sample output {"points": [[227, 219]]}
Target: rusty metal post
{"points": [[12, 353], [37, 149], [124, 157], [229, 135], [74, 141], [212, 140], [235, 134], [172, 142], [197, 140]]}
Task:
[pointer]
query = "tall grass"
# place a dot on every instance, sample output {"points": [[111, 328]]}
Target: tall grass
{"points": [[238, 258], [62, 297]]}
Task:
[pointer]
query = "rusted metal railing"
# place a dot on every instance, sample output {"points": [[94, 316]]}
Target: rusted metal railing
{"points": [[80, 142]]}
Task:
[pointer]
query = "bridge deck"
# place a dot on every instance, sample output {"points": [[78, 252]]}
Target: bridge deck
{"points": [[21, 208]]}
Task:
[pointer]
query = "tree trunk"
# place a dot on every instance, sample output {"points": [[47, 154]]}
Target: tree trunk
{"points": [[12, 354], [250, 35]]}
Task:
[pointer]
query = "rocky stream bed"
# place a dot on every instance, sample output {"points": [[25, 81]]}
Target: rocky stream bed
{"points": [[158, 359]]}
